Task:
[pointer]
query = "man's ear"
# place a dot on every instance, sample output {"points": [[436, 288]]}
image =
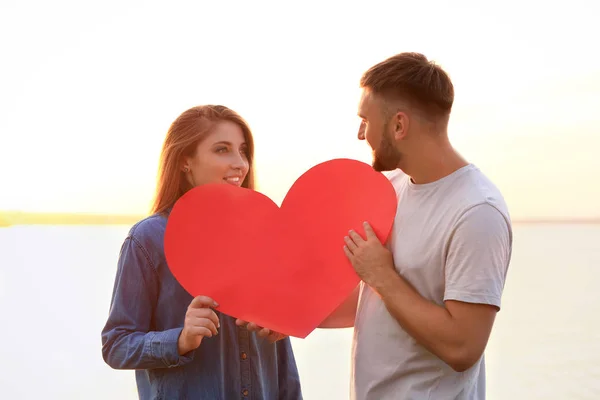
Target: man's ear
{"points": [[400, 125]]}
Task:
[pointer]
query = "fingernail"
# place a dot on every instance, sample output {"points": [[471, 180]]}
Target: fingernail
{"points": [[216, 304]]}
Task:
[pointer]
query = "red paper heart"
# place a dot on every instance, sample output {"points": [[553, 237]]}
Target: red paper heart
{"points": [[282, 268]]}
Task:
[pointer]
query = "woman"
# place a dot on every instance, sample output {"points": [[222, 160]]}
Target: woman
{"points": [[180, 347]]}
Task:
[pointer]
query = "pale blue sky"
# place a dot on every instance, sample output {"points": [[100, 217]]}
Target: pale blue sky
{"points": [[87, 92]]}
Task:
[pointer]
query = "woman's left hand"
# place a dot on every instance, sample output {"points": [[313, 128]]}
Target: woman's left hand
{"points": [[271, 336]]}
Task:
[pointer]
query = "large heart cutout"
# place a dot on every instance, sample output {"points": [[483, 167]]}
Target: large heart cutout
{"points": [[282, 268]]}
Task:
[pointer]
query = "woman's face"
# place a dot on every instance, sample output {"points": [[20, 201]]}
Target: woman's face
{"points": [[222, 157]]}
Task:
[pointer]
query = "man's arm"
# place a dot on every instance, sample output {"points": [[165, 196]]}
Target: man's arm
{"points": [[457, 333], [476, 265], [343, 316]]}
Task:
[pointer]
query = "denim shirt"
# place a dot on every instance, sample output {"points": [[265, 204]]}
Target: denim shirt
{"points": [[146, 316]]}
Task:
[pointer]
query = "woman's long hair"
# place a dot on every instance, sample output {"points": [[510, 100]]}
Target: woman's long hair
{"points": [[183, 136]]}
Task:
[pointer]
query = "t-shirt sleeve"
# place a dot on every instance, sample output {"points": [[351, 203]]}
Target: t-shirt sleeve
{"points": [[478, 256]]}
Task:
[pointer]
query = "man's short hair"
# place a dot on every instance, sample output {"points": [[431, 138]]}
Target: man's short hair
{"points": [[414, 80]]}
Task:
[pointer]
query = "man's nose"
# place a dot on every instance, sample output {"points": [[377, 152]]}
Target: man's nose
{"points": [[361, 132]]}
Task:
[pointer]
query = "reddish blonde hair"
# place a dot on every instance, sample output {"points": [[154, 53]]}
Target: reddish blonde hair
{"points": [[182, 139]]}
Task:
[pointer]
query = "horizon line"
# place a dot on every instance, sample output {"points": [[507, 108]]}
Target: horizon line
{"points": [[11, 218]]}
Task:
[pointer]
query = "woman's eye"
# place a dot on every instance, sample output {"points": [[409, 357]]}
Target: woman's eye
{"points": [[221, 149]]}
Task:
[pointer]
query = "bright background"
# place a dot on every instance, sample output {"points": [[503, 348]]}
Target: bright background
{"points": [[88, 90]]}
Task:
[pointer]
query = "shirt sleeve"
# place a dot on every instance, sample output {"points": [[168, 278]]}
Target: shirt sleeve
{"points": [[127, 341], [478, 256]]}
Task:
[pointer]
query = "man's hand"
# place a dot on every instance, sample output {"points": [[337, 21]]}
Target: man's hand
{"points": [[371, 260], [457, 332], [271, 336]]}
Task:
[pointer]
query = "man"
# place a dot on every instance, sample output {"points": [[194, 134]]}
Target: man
{"points": [[428, 300], [424, 312]]}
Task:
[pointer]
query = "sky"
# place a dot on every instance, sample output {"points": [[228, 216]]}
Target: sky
{"points": [[87, 92]]}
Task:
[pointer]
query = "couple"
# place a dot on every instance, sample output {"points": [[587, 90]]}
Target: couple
{"points": [[425, 307]]}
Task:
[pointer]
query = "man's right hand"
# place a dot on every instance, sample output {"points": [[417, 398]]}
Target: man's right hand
{"points": [[200, 321]]}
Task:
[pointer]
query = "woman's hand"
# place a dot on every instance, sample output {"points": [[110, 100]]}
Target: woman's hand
{"points": [[200, 321], [271, 336]]}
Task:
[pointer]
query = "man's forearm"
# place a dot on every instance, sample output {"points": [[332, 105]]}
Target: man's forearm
{"points": [[430, 325], [457, 331]]}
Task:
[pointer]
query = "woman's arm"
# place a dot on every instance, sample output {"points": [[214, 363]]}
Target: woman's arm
{"points": [[127, 342]]}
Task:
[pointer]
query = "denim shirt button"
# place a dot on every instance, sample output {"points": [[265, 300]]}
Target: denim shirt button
{"points": [[245, 392], [244, 355]]}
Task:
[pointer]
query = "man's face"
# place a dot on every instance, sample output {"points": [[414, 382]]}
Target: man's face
{"points": [[375, 129]]}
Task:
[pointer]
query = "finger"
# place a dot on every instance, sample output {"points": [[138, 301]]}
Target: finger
{"points": [[204, 313], [240, 322], [264, 332], [203, 322], [275, 336], [211, 326], [204, 327], [369, 231], [355, 237], [348, 253], [203, 301], [350, 243], [253, 327]]}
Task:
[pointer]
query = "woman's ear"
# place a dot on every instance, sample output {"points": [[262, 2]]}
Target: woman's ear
{"points": [[185, 165]]}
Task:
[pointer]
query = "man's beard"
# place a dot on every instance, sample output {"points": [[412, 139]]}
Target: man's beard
{"points": [[386, 157]]}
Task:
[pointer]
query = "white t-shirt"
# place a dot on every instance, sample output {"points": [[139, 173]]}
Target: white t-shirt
{"points": [[452, 240]]}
